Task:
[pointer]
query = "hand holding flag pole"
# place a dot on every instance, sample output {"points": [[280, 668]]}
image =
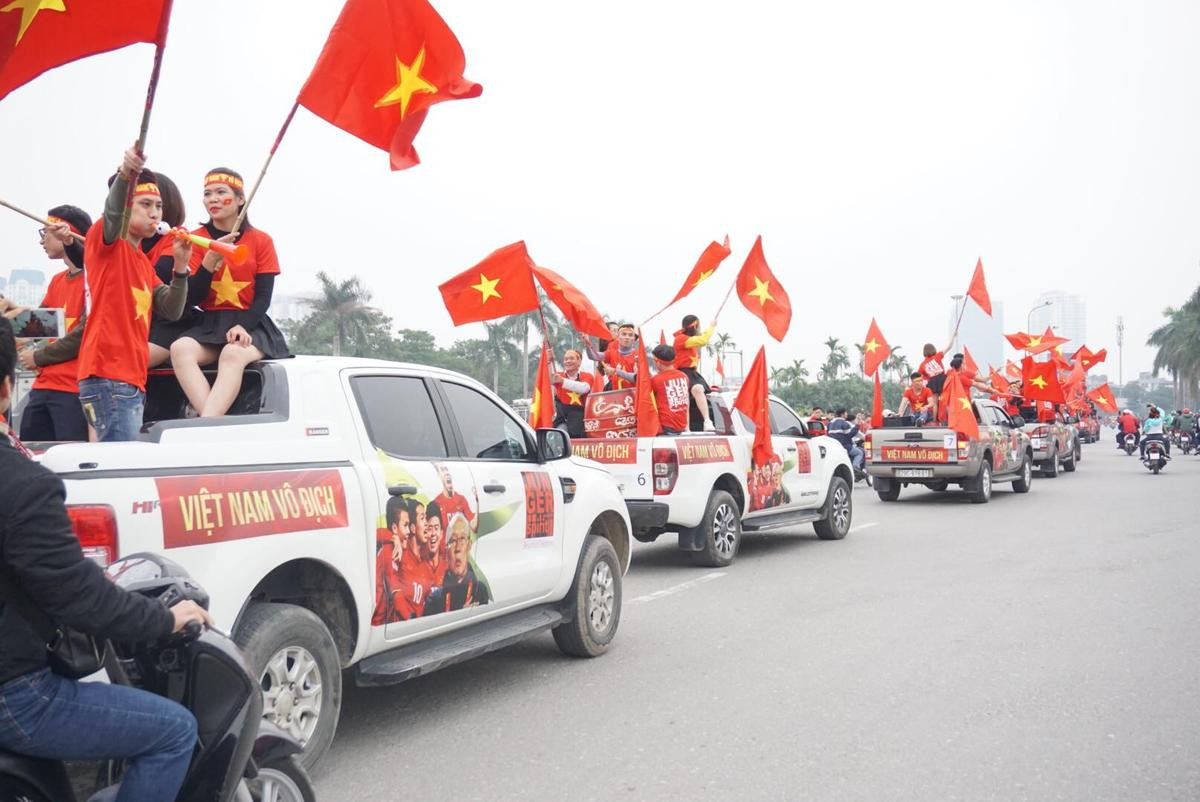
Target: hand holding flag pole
{"points": [[37, 219]]}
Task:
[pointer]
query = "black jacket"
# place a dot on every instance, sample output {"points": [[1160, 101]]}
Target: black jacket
{"points": [[39, 549]]}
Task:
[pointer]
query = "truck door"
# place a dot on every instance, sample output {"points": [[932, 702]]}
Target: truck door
{"points": [[803, 458], [519, 539]]}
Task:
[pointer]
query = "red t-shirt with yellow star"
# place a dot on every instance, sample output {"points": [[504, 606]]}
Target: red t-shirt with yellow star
{"points": [[120, 288], [233, 285], [570, 397], [65, 292]]}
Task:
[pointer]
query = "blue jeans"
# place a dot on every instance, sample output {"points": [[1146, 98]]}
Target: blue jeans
{"points": [[856, 456], [45, 715], [113, 408]]}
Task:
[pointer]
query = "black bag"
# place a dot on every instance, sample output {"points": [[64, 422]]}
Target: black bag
{"points": [[72, 654]]}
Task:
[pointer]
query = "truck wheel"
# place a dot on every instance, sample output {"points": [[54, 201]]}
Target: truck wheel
{"points": [[1050, 466], [1023, 484], [721, 529], [1068, 465], [887, 489], [839, 511], [596, 594], [300, 671], [980, 490]]}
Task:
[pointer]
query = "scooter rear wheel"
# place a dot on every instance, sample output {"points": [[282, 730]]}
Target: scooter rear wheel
{"points": [[282, 780]]}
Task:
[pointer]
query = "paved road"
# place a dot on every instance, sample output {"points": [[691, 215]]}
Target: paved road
{"points": [[1040, 647]]}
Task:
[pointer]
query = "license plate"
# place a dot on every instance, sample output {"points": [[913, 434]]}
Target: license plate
{"points": [[914, 473]]}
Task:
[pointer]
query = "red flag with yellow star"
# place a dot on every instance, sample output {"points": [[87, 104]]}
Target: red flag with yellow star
{"points": [[574, 305], [761, 293], [706, 265], [1103, 398], [386, 62], [39, 35], [977, 292], [644, 405], [1035, 343], [541, 410], [752, 400], [500, 285], [875, 349], [877, 405], [1039, 381], [960, 413]]}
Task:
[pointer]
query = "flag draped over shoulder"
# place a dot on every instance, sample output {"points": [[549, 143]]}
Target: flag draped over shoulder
{"points": [[385, 64], [977, 292], [762, 294], [541, 410], [39, 35], [575, 306], [752, 401], [875, 349], [706, 265], [648, 423], [500, 285]]}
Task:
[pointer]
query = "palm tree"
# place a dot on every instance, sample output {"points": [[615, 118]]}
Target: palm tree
{"points": [[836, 361], [799, 372], [720, 343], [1178, 344], [344, 304], [898, 364], [498, 348]]}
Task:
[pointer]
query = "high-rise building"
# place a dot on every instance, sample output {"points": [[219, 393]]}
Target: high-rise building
{"points": [[983, 335], [1064, 313], [26, 287]]}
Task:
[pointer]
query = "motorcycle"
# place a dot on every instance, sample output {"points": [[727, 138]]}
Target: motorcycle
{"points": [[1130, 443], [239, 756], [1155, 458], [1185, 442]]}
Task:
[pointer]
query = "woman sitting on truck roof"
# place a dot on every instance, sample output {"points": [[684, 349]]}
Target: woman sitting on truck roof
{"points": [[233, 328]]}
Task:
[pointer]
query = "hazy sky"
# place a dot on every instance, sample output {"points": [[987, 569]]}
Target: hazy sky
{"points": [[878, 147]]}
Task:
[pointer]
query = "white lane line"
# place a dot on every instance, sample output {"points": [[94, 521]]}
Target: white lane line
{"points": [[860, 527], [671, 591]]}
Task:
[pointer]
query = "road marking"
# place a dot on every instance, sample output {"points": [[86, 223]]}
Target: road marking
{"points": [[671, 591], [863, 526]]}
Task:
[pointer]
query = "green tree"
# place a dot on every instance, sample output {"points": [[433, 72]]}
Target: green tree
{"points": [[341, 313], [898, 365], [1178, 344], [837, 360]]}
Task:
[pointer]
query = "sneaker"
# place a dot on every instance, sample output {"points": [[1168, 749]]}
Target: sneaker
{"points": [[708, 426]]}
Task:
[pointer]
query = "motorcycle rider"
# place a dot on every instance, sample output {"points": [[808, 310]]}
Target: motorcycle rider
{"points": [[1128, 423], [1154, 429], [43, 714], [1186, 424], [842, 430]]}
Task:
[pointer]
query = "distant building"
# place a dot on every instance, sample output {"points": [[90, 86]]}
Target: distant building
{"points": [[1063, 312], [1149, 382], [3, 283], [983, 335], [288, 307], [26, 287]]}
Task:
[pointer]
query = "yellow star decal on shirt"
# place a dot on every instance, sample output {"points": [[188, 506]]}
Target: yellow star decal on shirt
{"points": [[701, 278], [573, 398], [761, 291], [1038, 382], [408, 83], [871, 347], [141, 303], [70, 322], [29, 10], [486, 288], [229, 291]]}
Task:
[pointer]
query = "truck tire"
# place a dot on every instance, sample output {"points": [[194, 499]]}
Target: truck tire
{"points": [[1050, 466], [1023, 484], [980, 489], [887, 489], [720, 530], [1068, 465], [288, 646], [839, 511], [596, 595]]}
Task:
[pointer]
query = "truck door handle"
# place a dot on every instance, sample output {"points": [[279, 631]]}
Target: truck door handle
{"points": [[402, 490], [790, 449], [493, 488]]}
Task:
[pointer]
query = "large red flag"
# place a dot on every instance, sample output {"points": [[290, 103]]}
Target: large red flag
{"points": [[541, 410], [706, 265], [875, 349], [752, 401], [977, 292], [574, 305], [970, 366], [998, 381], [1039, 381], [877, 405], [1012, 369], [1103, 398], [648, 423], [386, 62], [761, 293], [39, 35], [960, 413], [1089, 359], [500, 285]]}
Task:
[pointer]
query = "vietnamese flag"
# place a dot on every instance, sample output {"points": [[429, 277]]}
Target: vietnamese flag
{"points": [[752, 401], [960, 412], [720, 369], [39, 35], [1012, 369], [761, 293], [541, 410], [875, 349], [969, 366], [662, 337], [386, 62], [574, 305], [977, 292], [1039, 381], [1088, 359], [644, 405], [998, 381], [1035, 343], [706, 265], [877, 405], [500, 285], [1103, 398]]}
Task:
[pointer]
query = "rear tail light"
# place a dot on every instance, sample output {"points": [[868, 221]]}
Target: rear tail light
{"points": [[96, 528], [868, 448], [666, 470], [964, 446]]}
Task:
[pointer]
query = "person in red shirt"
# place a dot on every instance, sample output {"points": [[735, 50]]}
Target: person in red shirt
{"points": [[52, 412], [233, 329], [416, 578], [1128, 423], [450, 501], [918, 399], [122, 291], [670, 391], [620, 358], [966, 379], [688, 341], [571, 388], [390, 543], [933, 370]]}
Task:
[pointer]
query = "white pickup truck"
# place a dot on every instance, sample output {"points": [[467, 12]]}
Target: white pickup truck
{"points": [[358, 514], [703, 486]]}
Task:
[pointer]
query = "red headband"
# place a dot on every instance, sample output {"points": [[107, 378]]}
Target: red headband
{"points": [[224, 178], [56, 220], [149, 188]]}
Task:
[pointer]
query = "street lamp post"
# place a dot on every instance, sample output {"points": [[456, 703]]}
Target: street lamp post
{"points": [[1029, 317]]}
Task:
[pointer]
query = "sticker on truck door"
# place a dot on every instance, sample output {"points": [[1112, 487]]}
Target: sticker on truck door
{"points": [[764, 485]]}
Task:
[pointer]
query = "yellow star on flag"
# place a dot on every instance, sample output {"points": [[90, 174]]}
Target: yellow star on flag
{"points": [[966, 403], [141, 303], [573, 398], [761, 291], [487, 288], [535, 404], [700, 279], [229, 291], [29, 10], [871, 347], [1038, 382], [1034, 342], [408, 83], [1103, 399]]}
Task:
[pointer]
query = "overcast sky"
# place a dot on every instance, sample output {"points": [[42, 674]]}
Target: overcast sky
{"points": [[878, 147]]}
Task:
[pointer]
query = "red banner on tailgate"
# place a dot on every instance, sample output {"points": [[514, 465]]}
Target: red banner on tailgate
{"points": [[913, 454], [622, 451], [220, 507], [693, 451], [610, 414]]}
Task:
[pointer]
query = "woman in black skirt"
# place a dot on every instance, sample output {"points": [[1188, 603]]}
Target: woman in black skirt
{"points": [[158, 250], [233, 328]]}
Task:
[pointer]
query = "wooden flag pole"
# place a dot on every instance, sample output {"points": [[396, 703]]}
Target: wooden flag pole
{"points": [[34, 217], [151, 89], [722, 306], [241, 218]]}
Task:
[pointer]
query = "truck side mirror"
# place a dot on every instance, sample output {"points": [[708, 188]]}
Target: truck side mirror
{"points": [[553, 444]]}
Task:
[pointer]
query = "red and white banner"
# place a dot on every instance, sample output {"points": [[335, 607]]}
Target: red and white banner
{"points": [[610, 414]]}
